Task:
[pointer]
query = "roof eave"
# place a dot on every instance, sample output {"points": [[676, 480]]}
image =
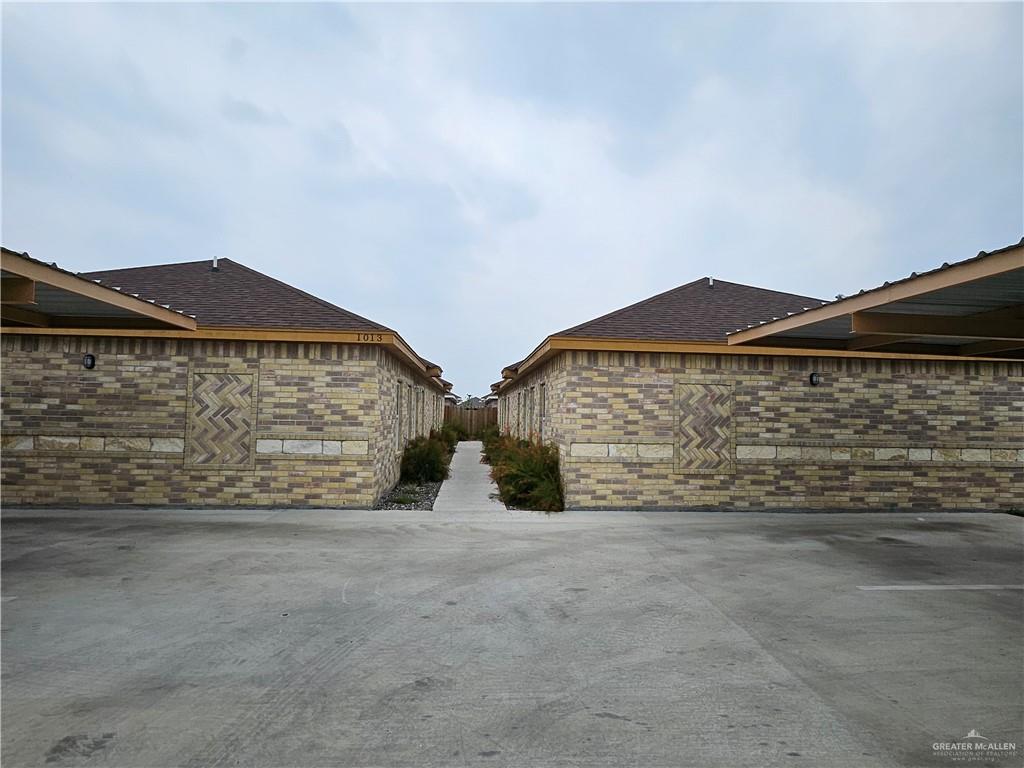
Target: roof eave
{"points": [[977, 268]]}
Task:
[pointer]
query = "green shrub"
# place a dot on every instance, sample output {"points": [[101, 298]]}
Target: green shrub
{"points": [[526, 473], [425, 460], [450, 434], [489, 434], [496, 447]]}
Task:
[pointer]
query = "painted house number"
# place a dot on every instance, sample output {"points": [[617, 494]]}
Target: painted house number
{"points": [[371, 337]]}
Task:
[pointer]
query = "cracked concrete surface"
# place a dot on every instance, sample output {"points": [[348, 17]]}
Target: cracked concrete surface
{"points": [[316, 638]]}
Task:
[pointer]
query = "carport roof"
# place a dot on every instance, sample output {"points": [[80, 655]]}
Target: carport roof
{"points": [[973, 307], [41, 295]]}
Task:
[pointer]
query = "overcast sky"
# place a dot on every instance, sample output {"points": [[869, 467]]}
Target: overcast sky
{"points": [[477, 177]]}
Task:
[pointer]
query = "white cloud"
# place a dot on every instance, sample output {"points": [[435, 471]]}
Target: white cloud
{"points": [[357, 153]]}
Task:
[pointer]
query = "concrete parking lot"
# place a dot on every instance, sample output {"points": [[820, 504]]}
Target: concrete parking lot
{"points": [[301, 638]]}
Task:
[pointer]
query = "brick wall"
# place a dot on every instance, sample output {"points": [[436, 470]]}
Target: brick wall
{"points": [[736, 431], [407, 408], [537, 406], [166, 421]]}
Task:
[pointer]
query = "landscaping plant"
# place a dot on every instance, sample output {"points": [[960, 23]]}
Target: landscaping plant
{"points": [[525, 472], [425, 460], [450, 434]]}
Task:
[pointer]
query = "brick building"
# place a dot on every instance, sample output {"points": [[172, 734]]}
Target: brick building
{"points": [[200, 384], [716, 394]]}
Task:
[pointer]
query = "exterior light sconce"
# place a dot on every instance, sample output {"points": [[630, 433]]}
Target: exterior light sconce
{"points": [[89, 362], [815, 379]]}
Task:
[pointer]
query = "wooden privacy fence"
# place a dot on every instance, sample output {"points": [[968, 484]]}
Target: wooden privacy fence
{"points": [[473, 420]]}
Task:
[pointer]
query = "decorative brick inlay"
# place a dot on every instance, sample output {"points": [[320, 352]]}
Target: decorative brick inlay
{"points": [[705, 427], [222, 416], [896, 455], [622, 450], [299, 447], [93, 443]]}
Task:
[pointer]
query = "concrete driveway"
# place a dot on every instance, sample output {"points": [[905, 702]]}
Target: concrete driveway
{"points": [[158, 638]]}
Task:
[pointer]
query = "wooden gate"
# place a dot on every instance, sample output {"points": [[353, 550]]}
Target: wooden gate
{"points": [[473, 420]]}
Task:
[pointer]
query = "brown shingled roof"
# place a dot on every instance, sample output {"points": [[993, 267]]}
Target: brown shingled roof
{"points": [[234, 296], [699, 311]]}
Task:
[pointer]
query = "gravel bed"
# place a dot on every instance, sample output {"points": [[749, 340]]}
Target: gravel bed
{"points": [[411, 496]]}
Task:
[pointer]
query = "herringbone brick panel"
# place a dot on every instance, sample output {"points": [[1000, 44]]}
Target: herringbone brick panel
{"points": [[705, 426], [221, 426]]}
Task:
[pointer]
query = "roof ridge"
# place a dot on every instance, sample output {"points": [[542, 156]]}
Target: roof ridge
{"points": [[149, 266]]}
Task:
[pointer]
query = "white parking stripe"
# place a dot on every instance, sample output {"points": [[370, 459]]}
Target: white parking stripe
{"points": [[938, 587]]}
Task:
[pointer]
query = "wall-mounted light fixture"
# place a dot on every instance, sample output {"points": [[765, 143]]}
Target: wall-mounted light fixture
{"points": [[815, 379], [89, 362]]}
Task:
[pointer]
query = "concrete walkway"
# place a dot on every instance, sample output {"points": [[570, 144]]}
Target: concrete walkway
{"points": [[469, 486]]}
